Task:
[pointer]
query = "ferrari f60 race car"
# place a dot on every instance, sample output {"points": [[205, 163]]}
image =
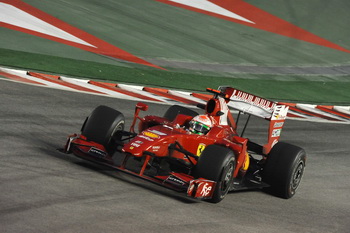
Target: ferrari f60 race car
{"points": [[171, 150]]}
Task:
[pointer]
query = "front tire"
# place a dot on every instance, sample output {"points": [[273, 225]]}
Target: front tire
{"points": [[102, 124], [284, 169], [216, 163]]}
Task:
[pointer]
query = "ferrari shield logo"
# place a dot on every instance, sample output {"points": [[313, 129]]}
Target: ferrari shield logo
{"points": [[200, 148]]}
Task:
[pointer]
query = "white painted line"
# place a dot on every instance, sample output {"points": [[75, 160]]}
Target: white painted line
{"points": [[211, 7], [14, 16]]}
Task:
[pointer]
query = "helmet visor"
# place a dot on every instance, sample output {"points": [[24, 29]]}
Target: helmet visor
{"points": [[199, 128]]}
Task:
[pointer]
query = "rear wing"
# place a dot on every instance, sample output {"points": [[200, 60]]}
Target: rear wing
{"points": [[254, 105]]}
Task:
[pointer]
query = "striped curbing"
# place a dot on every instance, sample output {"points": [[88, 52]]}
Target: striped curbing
{"points": [[297, 111]]}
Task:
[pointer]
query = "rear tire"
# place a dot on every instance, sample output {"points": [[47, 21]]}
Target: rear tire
{"points": [[216, 163], [102, 124], [174, 110], [284, 169]]}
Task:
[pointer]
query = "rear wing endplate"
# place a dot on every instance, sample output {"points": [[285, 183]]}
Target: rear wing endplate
{"points": [[260, 107]]}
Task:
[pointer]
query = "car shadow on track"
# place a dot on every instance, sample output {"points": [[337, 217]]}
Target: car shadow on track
{"points": [[110, 172]]}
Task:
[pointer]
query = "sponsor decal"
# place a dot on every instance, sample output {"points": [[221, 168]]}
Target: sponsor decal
{"points": [[146, 138], [97, 152], [280, 112], [155, 148], [135, 144], [174, 179], [150, 134], [153, 133], [191, 188], [200, 149], [201, 188], [278, 124], [157, 132], [274, 143], [204, 189], [276, 133], [253, 100], [166, 126]]}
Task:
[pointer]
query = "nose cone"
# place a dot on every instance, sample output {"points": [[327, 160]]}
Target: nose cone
{"points": [[147, 140], [155, 140]]}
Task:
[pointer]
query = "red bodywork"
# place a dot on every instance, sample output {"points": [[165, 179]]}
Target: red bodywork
{"points": [[172, 139]]}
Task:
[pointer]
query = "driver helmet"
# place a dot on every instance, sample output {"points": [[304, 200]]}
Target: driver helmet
{"points": [[200, 124]]}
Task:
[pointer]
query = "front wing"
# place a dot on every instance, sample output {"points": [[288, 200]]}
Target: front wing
{"points": [[96, 153]]}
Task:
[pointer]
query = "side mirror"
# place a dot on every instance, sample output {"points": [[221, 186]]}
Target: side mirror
{"points": [[139, 107], [142, 106], [219, 113]]}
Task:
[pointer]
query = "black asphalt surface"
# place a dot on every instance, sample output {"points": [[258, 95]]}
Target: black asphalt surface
{"points": [[44, 190]]}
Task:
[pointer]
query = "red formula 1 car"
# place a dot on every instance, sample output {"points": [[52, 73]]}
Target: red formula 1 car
{"points": [[201, 155]]}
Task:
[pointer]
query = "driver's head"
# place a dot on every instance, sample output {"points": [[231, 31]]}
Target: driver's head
{"points": [[200, 124]]}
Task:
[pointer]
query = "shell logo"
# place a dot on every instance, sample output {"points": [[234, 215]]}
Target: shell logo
{"points": [[151, 135]]}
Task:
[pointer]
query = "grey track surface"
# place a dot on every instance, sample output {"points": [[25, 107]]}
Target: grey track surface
{"points": [[43, 190]]}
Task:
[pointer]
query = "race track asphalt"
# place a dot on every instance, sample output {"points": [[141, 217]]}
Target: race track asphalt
{"points": [[44, 190]]}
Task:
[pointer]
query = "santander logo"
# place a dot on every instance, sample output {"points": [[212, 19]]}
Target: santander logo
{"points": [[238, 11]]}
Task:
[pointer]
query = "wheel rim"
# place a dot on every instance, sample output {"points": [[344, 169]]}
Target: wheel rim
{"points": [[118, 127], [227, 177], [297, 175]]}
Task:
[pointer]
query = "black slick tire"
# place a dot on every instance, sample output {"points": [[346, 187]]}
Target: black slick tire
{"points": [[102, 124], [284, 169], [216, 163]]}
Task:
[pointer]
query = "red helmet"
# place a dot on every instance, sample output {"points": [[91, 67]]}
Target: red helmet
{"points": [[200, 124]]}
